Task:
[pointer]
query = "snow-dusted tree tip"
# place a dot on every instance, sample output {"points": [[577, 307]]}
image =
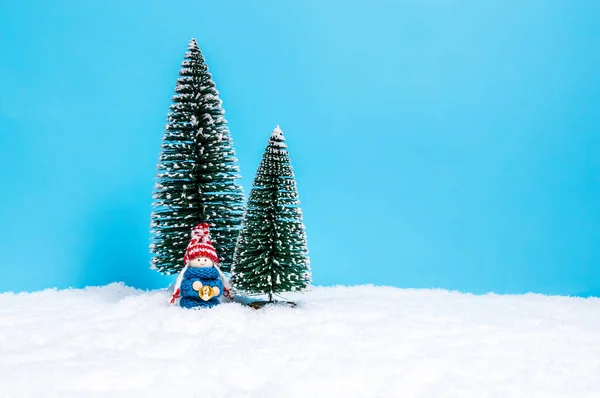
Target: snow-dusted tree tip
{"points": [[277, 133], [277, 139], [193, 44]]}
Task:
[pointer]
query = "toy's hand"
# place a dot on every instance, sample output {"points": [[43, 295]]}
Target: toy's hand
{"points": [[207, 292], [197, 286]]}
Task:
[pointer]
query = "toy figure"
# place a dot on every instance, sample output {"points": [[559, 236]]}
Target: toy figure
{"points": [[200, 283]]}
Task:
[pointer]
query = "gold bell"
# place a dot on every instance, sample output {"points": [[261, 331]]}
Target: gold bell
{"points": [[207, 292]]}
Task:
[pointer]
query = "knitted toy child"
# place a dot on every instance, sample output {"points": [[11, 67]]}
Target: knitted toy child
{"points": [[200, 283]]}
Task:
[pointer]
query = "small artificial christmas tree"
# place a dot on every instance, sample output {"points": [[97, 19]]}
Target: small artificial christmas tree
{"points": [[271, 254], [197, 171]]}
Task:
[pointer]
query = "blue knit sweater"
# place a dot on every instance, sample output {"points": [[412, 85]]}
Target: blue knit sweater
{"points": [[208, 277]]}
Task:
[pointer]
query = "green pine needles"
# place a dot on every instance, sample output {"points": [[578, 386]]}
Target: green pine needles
{"points": [[197, 171], [271, 254]]}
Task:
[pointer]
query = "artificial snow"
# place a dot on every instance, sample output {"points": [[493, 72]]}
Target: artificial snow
{"points": [[364, 341]]}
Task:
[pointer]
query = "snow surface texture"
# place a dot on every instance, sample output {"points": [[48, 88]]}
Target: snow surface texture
{"points": [[364, 341]]}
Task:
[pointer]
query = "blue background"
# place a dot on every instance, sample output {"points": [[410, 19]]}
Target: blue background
{"points": [[437, 143]]}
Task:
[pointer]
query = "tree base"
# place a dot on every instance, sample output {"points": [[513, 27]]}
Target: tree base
{"points": [[261, 304], [258, 304]]}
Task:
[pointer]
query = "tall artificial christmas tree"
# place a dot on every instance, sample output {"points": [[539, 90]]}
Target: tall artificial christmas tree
{"points": [[271, 255], [197, 171]]}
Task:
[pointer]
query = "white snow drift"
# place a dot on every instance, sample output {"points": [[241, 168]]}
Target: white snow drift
{"points": [[364, 341]]}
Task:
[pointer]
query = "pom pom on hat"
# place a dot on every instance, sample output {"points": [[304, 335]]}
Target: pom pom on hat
{"points": [[200, 245]]}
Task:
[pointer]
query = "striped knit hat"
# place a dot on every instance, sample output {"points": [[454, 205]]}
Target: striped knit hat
{"points": [[200, 245]]}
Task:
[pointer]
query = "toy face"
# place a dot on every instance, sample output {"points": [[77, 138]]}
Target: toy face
{"points": [[201, 262]]}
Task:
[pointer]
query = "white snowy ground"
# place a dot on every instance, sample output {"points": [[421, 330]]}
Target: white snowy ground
{"points": [[364, 341]]}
